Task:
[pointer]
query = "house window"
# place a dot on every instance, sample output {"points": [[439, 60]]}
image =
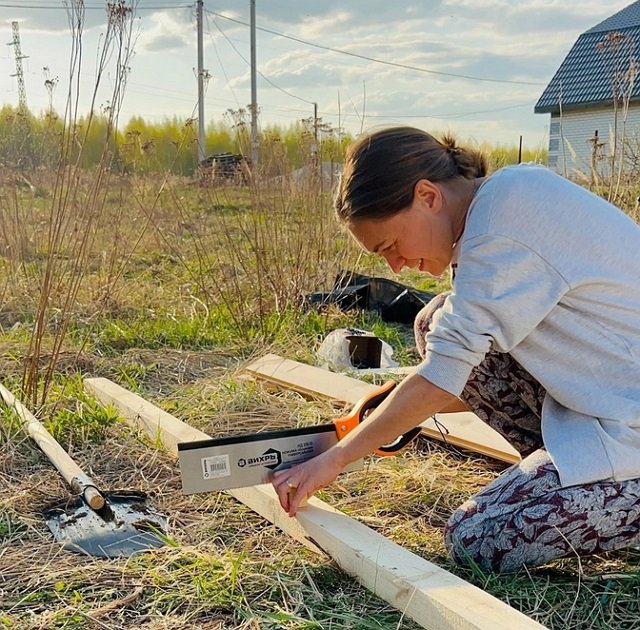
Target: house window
{"points": [[554, 129], [553, 161], [554, 144]]}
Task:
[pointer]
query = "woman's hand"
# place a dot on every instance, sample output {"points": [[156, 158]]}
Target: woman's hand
{"points": [[295, 485], [414, 400]]}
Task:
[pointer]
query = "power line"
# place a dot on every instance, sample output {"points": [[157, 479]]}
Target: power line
{"points": [[177, 95], [376, 116], [453, 116], [381, 61], [443, 116], [95, 8], [446, 116], [269, 81], [215, 48], [94, 3], [296, 39]]}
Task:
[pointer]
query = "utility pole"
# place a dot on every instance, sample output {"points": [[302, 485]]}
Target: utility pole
{"points": [[254, 91], [316, 147], [520, 151], [315, 126], [596, 156], [22, 93], [201, 76]]}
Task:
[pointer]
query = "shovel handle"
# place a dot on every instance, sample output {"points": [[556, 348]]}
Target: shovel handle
{"points": [[70, 471], [93, 497]]}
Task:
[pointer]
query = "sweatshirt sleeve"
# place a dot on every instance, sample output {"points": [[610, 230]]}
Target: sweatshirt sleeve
{"points": [[502, 291]]}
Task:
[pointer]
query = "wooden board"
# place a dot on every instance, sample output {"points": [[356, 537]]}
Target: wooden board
{"points": [[307, 379], [463, 429], [433, 597]]}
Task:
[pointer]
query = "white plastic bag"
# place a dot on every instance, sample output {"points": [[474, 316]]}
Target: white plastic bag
{"points": [[336, 352]]}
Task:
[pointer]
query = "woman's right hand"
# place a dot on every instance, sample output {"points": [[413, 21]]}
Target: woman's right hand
{"points": [[414, 400], [296, 484]]}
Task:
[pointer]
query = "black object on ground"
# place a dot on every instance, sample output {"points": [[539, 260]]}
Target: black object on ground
{"points": [[365, 350], [393, 301]]}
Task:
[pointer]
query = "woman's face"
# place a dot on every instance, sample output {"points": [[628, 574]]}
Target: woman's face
{"points": [[418, 237]]}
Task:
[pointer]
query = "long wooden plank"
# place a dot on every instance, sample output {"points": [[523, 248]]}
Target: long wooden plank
{"points": [[462, 429], [434, 598]]}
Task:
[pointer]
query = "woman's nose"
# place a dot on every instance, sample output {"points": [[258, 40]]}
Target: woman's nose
{"points": [[395, 262]]}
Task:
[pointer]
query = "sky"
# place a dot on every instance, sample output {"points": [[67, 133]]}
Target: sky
{"points": [[472, 67]]}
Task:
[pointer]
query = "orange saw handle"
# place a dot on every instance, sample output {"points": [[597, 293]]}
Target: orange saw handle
{"points": [[359, 413]]}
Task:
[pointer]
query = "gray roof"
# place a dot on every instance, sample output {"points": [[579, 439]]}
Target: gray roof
{"points": [[586, 76], [626, 18]]}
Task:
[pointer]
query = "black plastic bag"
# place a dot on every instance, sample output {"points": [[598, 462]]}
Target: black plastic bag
{"points": [[394, 302]]}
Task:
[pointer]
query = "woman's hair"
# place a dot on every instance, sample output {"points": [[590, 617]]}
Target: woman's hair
{"points": [[382, 168]]}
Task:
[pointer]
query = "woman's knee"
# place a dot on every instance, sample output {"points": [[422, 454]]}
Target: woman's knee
{"points": [[496, 544], [462, 535], [470, 539]]}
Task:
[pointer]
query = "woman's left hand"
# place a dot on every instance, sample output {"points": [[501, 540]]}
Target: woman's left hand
{"points": [[295, 485]]}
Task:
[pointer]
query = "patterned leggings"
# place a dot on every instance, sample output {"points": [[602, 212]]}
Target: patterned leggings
{"points": [[525, 517]]}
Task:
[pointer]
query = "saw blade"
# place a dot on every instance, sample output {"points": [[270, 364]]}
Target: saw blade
{"points": [[249, 460]]}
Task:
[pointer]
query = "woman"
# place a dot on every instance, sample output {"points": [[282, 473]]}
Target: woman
{"points": [[540, 337]]}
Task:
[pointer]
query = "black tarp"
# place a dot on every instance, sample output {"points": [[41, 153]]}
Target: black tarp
{"points": [[394, 302]]}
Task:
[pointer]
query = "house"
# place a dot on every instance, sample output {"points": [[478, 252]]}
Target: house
{"points": [[594, 101]]}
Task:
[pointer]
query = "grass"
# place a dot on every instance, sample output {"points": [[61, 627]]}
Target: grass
{"points": [[176, 323], [11, 528], [227, 567]]}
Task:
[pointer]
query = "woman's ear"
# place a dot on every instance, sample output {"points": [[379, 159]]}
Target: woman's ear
{"points": [[428, 195]]}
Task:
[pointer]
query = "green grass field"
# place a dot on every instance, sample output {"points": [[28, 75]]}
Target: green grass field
{"points": [[169, 289]]}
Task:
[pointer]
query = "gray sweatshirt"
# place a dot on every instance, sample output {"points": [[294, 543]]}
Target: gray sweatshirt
{"points": [[550, 273]]}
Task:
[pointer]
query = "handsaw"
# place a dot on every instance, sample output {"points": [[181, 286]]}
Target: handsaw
{"points": [[250, 459]]}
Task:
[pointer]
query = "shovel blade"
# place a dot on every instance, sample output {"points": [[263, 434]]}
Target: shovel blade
{"points": [[124, 526]]}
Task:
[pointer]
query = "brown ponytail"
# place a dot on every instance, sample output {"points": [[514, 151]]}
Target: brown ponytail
{"points": [[470, 163], [382, 168]]}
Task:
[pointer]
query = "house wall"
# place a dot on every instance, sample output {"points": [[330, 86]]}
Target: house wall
{"points": [[571, 141]]}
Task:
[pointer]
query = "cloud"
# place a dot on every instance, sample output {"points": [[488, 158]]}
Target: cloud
{"points": [[53, 19], [476, 38], [164, 41], [166, 31], [486, 39], [492, 39], [353, 14]]}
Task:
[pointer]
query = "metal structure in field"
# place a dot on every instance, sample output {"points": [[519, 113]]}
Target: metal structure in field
{"points": [[19, 74]]}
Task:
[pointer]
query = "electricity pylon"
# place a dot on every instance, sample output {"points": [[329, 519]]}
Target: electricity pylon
{"points": [[22, 93]]}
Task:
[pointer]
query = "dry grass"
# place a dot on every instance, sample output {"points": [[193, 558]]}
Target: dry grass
{"points": [[225, 567], [149, 326]]}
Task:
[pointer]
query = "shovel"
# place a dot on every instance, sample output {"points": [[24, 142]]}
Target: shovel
{"points": [[104, 524]]}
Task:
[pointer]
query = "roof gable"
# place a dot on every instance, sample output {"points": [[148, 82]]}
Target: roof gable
{"points": [[599, 65]]}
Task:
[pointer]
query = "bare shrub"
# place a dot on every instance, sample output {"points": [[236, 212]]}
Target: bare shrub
{"points": [[64, 211]]}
